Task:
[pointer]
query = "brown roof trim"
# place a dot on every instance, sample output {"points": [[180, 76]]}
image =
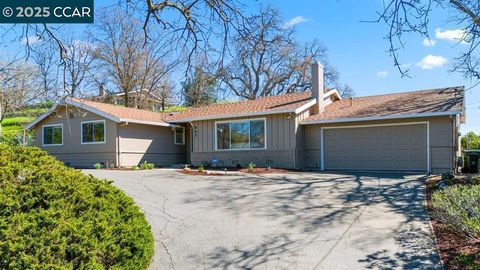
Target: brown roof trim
{"points": [[373, 118], [226, 116]]}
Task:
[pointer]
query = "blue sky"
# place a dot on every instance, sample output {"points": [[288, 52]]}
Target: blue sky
{"points": [[358, 50]]}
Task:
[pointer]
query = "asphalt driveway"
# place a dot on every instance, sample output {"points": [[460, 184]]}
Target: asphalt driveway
{"points": [[284, 221]]}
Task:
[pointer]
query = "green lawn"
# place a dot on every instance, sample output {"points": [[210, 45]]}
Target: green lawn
{"points": [[17, 121], [13, 126]]}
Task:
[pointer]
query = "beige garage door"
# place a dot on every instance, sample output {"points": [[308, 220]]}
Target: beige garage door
{"points": [[392, 148]]}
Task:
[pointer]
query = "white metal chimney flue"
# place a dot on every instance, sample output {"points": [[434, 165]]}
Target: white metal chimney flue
{"points": [[317, 87]]}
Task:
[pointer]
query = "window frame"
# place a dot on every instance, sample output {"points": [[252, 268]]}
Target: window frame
{"points": [[175, 136], [94, 121], [249, 134], [43, 134]]}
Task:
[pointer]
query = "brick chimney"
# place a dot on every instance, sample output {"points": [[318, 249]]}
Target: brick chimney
{"points": [[317, 87]]}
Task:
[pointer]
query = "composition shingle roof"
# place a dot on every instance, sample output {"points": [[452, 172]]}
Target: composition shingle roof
{"points": [[266, 105], [124, 112], [440, 100]]}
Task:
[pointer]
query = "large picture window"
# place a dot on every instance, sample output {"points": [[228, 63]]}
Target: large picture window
{"points": [[93, 132], [52, 134], [237, 135]]}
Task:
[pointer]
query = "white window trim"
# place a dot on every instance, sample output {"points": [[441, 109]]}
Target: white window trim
{"points": [[51, 125], [322, 138], [104, 131], [175, 136], [230, 131]]}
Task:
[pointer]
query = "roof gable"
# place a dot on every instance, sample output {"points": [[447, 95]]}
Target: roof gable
{"points": [[260, 106], [442, 101], [108, 111]]}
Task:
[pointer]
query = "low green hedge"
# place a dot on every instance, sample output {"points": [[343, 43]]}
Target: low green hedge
{"points": [[459, 206], [54, 217]]}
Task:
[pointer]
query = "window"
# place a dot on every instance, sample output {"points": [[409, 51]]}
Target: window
{"points": [[180, 135], [237, 135], [93, 132], [52, 134]]}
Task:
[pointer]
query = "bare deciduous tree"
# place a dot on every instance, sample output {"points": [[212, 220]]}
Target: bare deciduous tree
{"points": [[130, 64], [193, 26], [268, 60], [78, 60], [346, 91], [121, 52], [45, 58], [412, 16], [18, 86]]}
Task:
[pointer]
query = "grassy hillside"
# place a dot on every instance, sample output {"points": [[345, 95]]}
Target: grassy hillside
{"points": [[13, 123]]}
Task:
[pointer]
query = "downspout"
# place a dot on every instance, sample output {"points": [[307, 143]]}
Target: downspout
{"points": [[452, 143], [295, 130], [118, 143], [190, 139]]}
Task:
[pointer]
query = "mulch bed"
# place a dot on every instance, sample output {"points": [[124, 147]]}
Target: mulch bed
{"points": [[450, 243], [195, 172], [263, 170], [217, 171]]}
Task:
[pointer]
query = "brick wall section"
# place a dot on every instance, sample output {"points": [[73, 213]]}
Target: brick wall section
{"points": [[262, 158]]}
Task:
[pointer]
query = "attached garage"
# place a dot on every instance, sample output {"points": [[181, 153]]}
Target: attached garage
{"points": [[393, 147]]}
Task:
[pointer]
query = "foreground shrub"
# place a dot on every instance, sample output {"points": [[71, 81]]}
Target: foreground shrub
{"points": [[147, 166], [251, 166], [54, 217], [459, 206]]}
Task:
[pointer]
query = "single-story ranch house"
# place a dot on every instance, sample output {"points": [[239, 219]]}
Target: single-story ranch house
{"points": [[317, 130]]}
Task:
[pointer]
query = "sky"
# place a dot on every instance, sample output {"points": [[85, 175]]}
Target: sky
{"points": [[359, 51]]}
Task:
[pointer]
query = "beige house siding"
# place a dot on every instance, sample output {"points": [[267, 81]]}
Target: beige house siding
{"points": [[442, 142], [300, 157], [72, 152], [280, 143], [139, 143]]}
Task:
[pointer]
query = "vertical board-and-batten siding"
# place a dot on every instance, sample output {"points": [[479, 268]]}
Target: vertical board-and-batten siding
{"points": [[154, 144], [280, 143], [300, 154], [73, 152]]}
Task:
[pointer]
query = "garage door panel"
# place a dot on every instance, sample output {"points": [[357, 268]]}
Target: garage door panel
{"points": [[402, 147]]}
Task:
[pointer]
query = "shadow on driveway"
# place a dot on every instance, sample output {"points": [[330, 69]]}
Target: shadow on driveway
{"points": [[289, 221]]}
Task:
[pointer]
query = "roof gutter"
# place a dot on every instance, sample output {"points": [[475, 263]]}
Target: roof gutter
{"points": [[151, 123], [225, 116], [97, 112], [374, 118]]}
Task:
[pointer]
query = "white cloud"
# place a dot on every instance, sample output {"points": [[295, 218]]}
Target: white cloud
{"points": [[294, 21], [429, 42], [30, 40], [455, 35], [432, 61], [382, 73]]}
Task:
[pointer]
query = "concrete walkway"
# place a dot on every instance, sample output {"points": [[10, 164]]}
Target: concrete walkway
{"points": [[288, 221]]}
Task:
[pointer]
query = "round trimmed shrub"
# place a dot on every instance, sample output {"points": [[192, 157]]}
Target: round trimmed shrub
{"points": [[54, 217]]}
